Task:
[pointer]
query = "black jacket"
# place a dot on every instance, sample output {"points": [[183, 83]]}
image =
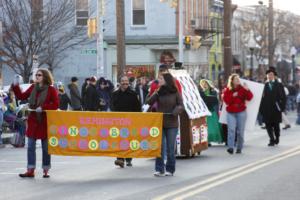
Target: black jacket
{"points": [[273, 102], [125, 101], [91, 98], [144, 93], [64, 100]]}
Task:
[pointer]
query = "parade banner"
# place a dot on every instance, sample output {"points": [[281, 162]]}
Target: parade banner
{"points": [[252, 106], [125, 135]]}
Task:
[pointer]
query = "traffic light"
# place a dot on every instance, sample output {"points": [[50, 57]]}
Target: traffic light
{"points": [[196, 42], [187, 42], [92, 27]]}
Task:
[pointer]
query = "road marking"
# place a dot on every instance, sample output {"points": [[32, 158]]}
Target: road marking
{"points": [[228, 173], [212, 185]]}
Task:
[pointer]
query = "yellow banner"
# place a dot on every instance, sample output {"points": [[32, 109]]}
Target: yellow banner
{"points": [[125, 135]]}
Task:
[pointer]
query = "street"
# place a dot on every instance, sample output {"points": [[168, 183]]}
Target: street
{"points": [[261, 172]]}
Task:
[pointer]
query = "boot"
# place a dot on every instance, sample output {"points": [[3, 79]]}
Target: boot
{"points": [[28, 174], [46, 175]]}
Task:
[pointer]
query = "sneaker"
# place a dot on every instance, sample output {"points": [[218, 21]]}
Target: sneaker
{"points": [[230, 150], [271, 144], [169, 174], [129, 164], [119, 163], [238, 151], [158, 174]]}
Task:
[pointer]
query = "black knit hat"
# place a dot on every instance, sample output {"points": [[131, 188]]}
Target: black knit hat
{"points": [[74, 79]]}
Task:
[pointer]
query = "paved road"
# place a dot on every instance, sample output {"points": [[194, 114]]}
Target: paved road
{"points": [[257, 175]]}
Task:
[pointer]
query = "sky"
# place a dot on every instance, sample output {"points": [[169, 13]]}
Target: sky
{"points": [[290, 5]]}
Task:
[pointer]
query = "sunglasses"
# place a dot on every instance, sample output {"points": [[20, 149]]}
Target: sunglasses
{"points": [[38, 75]]}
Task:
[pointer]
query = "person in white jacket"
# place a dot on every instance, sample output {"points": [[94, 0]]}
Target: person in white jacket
{"points": [[285, 120]]}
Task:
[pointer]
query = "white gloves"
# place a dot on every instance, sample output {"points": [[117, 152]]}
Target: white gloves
{"points": [[39, 109]]}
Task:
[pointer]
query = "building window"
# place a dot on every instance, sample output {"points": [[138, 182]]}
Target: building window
{"points": [[138, 12], [82, 12]]}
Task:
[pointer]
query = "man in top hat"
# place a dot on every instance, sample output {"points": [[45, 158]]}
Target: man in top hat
{"points": [[272, 105]]}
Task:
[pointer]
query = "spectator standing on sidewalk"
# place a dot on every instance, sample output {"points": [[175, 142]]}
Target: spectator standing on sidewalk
{"points": [[235, 97], [125, 100], [64, 99], [91, 96], [170, 103], [42, 96], [2, 110], [272, 105], [75, 95]]}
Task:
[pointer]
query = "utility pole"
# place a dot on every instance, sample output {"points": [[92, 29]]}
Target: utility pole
{"points": [[121, 51], [227, 38], [271, 34], [100, 44], [180, 34]]}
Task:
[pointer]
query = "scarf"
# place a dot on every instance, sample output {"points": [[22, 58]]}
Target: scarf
{"points": [[35, 102]]}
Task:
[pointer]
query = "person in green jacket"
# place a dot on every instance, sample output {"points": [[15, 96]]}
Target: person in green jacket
{"points": [[210, 96]]}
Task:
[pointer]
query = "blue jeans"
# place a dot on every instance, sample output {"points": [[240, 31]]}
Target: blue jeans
{"points": [[31, 155], [1, 122], [236, 124], [169, 135]]}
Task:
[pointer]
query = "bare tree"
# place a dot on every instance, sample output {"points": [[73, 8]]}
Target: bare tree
{"points": [[47, 31], [285, 26]]}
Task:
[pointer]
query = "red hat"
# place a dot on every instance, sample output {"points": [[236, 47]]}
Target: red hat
{"points": [[93, 79]]}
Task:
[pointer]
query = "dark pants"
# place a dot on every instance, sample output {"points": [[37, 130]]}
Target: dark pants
{"points": [[273, 131], [31, 155], [128, 160]]}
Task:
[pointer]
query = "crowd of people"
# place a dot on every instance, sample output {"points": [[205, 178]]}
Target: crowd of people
{"points": [[163, 95]]}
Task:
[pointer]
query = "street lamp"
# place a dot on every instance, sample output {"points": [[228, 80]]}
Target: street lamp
{"points": [[251, 46], [293, 54]]}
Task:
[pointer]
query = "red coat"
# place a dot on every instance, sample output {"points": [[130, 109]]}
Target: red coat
{"points": [[238, 103], [38, 130]]}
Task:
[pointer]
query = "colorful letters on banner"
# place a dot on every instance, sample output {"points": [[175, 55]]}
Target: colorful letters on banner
{"points": [[134, 135]]}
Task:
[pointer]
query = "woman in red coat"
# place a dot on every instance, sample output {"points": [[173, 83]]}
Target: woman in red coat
{"points": [[235, 97], [41, 96]]}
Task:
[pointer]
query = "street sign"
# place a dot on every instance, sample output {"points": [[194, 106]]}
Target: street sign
{"points": [[88, 52]]}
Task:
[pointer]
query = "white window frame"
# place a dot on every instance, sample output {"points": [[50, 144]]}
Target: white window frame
{"points": [[131, 14], [88, 4]]}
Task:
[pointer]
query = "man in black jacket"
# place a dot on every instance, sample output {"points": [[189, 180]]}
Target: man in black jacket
{"points": [[125, 100], [91, 98], [272, 105]]}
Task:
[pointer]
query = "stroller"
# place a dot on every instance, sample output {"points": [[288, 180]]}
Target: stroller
{"points": [[18, 139]]}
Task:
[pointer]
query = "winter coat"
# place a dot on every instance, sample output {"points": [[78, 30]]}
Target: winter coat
{"points": [[75, 96], [210, 100], [35, 129], [104, 98], [142, 94], [237, 103], [64, 101], [273, 102], [91, 98], [125, 101], [169, 103]]}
